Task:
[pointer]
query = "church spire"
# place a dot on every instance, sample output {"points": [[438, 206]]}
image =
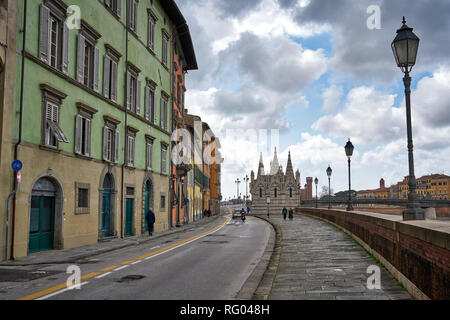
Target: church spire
{"points": [[289, 168], [261, 166], [275, 166]]}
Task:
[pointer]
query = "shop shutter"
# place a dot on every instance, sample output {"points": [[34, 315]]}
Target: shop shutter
{"points": [[116, 146], [65, 50], [106, 76], [44, 31], [105, 143], [80, 58], [138, 97], [78, 134], [96, 68]]}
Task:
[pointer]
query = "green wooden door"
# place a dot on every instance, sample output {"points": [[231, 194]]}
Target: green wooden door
{"points": [[129, 218], [42, 224], [106, 213]]}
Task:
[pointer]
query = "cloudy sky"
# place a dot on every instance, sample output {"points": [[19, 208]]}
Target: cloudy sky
{"points": [[319, 72]]}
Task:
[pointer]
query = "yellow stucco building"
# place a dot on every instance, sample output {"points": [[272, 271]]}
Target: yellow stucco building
{"points": [[434, 186], [381, 193]]}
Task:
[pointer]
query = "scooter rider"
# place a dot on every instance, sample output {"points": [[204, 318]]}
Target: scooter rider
{"points": [[243, 214]]}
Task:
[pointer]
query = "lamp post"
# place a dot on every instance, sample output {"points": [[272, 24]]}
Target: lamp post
{"points": [[349, 152], [246, 179], [237, 194], [316, 181], [405, 47], [329, 171]]}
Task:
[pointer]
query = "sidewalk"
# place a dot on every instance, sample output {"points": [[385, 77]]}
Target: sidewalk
{"points": [[312, 260], [78, 254]]}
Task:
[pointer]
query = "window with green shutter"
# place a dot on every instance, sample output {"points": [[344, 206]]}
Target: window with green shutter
{"points": [[54, 35], [83, 125], [115, 6], [51, 130], [88, 56], [110, 75]]}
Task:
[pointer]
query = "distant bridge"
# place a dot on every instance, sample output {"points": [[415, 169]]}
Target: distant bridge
{"points": [[425, 203]]}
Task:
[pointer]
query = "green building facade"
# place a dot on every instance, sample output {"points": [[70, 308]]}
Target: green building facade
{"points": [[93, 120]]}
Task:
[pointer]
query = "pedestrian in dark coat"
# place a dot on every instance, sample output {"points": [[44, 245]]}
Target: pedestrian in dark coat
{"points": [[291, 214], [150, 217], [284, 213]]}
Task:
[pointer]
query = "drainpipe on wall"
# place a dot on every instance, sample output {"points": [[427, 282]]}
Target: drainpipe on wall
{"points": [[122, 233], [16, 146], [172, 178]]}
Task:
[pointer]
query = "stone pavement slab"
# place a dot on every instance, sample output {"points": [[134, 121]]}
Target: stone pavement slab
{"points": [[313, 260]]}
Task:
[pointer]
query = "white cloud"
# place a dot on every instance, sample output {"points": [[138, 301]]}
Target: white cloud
{"points": [[251, 71], [368, 117], [431, 99], [268, 20], [332, 98]]}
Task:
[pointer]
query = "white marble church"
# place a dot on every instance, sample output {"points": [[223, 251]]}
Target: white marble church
{"points": [[282, 188]]}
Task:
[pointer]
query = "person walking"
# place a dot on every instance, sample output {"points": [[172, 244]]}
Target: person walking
{"points": [[284, 213], [291, 214], [150, 217]]}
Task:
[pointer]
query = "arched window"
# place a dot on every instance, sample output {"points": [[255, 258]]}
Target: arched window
{"points": [[290, 192], [276, 192], [108, 182], [260, 192]]}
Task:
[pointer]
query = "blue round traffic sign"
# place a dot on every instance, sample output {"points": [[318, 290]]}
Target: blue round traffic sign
{"points": [[17, 165]]}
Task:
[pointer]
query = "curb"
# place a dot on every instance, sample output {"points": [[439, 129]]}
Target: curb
{"points": [[126, 243], [253, 281], [270, 262]]}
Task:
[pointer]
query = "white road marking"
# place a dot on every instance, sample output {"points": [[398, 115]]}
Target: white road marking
{"points": [[59, 292], [118, 269], [136, 262], [183, 244], [103, 275], [126, 266]]}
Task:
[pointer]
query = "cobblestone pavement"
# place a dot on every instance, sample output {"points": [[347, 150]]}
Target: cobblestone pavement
{"points": [[313, 260]]}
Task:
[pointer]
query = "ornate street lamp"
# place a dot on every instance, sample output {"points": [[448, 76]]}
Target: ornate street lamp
{"points": [[405, 47], [237, 194], [316, 181], [246, 179], [329, 171], [349, 152]]}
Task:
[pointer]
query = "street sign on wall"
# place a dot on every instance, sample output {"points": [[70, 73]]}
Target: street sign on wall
{"points": [[17, 165]]}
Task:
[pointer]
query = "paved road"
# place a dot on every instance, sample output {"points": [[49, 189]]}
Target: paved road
{"points": [[205, 266], [314, 260]]}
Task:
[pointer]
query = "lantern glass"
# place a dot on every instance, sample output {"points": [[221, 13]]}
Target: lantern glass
{"points": [[399, 49], [405, 46], [349, 148], [316, 181], [405, 52], [329, 171]]}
